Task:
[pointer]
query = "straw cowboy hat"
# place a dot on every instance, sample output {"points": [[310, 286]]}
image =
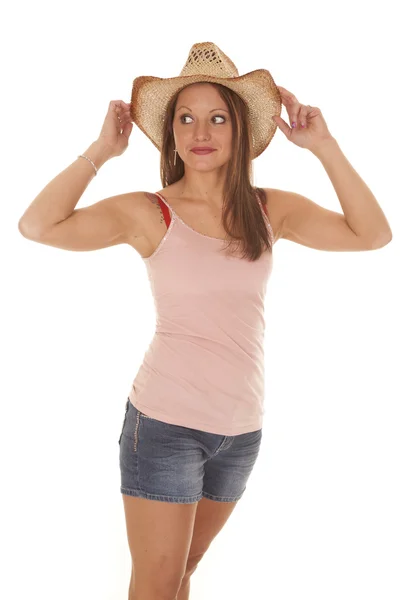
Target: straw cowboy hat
{"points": [[206, 62]]}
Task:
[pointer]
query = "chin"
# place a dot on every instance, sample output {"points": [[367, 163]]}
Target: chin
{"points": [[205, 168], [205, 164]]}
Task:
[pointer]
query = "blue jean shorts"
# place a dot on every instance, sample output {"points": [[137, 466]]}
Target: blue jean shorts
{"points": [[171, 463]]}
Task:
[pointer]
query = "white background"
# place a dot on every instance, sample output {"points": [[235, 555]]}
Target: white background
{"points": [[320, 516]]}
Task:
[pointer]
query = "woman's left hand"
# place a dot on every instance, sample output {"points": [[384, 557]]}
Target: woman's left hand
{"points": [[315, 131]]}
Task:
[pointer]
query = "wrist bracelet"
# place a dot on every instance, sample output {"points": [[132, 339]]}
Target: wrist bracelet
{"points": [[94, 166]]}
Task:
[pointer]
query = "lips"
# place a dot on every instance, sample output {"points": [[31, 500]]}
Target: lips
{"points": [[202, 150]]}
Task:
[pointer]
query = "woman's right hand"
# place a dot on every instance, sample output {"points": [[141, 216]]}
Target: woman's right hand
{"points": [[117, 127]]}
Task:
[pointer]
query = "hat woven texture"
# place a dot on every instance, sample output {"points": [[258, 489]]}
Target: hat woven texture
{"points": [[207, 63]]}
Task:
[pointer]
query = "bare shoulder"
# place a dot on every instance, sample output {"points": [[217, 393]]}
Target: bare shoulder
{"points": [[142, 201], [144, 217]]}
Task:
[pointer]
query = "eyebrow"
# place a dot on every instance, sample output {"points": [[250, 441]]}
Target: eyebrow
{"points": [[210, 110]]}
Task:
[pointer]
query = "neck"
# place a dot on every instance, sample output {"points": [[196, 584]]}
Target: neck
{"points": [[205, 186]]}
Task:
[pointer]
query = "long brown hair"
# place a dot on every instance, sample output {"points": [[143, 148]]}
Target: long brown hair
{"points": [[241, 215]]}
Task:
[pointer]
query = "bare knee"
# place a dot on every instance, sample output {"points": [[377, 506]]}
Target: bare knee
{"points": [[156, 591], [192, 564], [162, 584], [159, 584]]}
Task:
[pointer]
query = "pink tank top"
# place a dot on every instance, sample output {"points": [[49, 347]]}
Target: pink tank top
{"points": [[204, 367]]}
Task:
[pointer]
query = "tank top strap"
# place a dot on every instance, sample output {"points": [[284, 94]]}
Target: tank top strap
{"points": [[264, 210], [266, 216], [262, 206]]}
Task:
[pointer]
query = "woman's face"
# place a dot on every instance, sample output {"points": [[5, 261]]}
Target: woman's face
{"points": [[202, 119]]}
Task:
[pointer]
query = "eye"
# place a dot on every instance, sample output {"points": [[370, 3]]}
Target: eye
{"points": [[214, 117]]}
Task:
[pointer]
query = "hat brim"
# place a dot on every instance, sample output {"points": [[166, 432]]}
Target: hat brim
{"points": [[150, 97]]}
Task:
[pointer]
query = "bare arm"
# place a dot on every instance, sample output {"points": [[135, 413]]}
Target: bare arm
{"points": [[52, 218], [112, 221], [57, 200]]}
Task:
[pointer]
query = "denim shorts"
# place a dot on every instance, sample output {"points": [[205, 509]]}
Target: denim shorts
{"points": [[171, 463]]}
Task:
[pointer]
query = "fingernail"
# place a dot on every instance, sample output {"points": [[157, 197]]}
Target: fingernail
{"points": [[294, 124]]}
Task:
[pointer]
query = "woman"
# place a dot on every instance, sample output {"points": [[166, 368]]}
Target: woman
{"points": [[193, 420]]}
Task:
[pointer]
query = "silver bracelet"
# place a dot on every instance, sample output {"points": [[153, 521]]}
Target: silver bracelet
{"points": [[94, 166]]}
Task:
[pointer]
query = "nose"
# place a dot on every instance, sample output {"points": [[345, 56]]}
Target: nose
{"points": [[201, 131]]}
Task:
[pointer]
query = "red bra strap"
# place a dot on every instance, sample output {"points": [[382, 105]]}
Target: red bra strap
{"points": [[165, 211]]}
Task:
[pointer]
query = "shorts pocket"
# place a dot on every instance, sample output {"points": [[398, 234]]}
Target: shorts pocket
{"points": [[147, 416]]}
